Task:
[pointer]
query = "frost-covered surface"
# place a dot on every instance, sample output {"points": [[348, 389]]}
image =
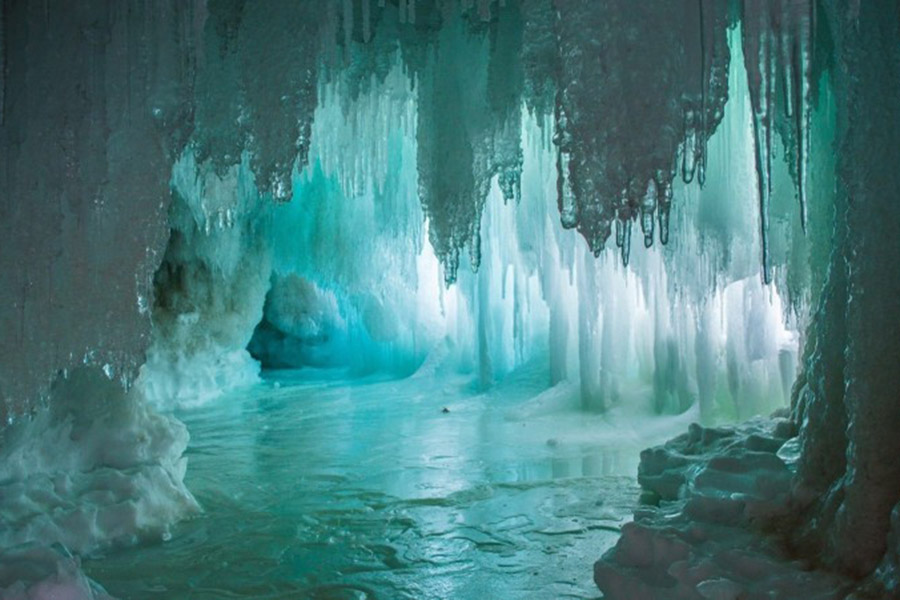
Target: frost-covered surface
{"points": [[718, 509], [98, 468]]}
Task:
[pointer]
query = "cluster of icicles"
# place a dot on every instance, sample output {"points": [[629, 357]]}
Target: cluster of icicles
{"points": [[621, 146], [634, 91]]}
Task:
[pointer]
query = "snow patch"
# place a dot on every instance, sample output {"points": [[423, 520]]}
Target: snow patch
{"points": [[98, 468]]}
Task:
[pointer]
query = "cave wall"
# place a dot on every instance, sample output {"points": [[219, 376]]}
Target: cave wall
{"points": [[94, 111], [849, 404]]}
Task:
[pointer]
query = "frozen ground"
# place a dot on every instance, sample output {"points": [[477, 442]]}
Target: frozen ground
{"points": [[327, 488]]}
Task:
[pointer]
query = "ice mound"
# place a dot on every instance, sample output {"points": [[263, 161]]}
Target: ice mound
{"points": [[97, 468], [41, 573], [716, 501], [301, 326], [170, 379]]}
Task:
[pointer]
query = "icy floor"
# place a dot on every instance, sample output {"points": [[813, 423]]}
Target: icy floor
{"points": [[336, 489]]}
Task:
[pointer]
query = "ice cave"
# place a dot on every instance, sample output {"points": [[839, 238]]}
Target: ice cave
{"points": [[449, 299]]}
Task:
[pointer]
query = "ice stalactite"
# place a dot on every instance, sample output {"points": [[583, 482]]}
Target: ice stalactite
{"points": [[257, 88], [478, 82], [539, 56], [505, 81], [278, 50], [617, 158], [454, 175], [777, 44]]}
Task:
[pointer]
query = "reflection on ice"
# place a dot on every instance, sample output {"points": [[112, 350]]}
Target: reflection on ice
{"points": [[365, 489]]}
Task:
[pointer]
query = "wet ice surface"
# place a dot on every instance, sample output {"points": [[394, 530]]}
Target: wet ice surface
{"points": [[332, 489]]}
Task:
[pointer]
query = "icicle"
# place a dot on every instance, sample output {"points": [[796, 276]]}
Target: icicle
{"points": [[647, 227], [451, 265], [689, 147], [804, 74], [568, 207], [402, 11], [510, 185], [704, 83], [664, 201], [626, 240], [411, 12], [760, 74], [787, 72], [648, 206], [475, 249]]}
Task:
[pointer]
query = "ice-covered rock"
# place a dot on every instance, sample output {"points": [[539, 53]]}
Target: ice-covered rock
{"points": [[717, 501]]}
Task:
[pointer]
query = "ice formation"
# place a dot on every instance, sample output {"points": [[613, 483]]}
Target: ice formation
{"points": [[98, 469], [209, 288], [375, 97], [716, 500], [197, 188]]}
